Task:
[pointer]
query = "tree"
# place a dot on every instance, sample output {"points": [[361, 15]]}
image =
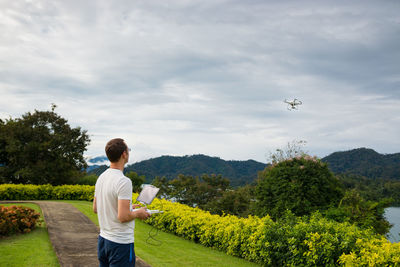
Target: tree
{"points": [[236, 202], [184, 189], [365, 214], [40, 148], [163, 184], [137, 180], [193, 191], [214, 187], [301, 185], [89, 179]]}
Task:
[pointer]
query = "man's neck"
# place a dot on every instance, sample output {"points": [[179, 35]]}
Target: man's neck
{"points": [[118, 165]]}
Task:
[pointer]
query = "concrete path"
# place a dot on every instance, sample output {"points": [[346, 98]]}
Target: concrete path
{"points": [[72, 234]]}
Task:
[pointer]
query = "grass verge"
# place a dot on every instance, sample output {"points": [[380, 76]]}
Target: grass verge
{"points": [[168, 249], [30, 249]]}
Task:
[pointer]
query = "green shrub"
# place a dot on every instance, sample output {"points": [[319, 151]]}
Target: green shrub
{"points": [[46, 192], [73, 192], [17, 219], [365, 214], [301, 185]]}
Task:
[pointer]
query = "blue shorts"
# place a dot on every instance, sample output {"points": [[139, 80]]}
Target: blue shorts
{"points": [[111, 254]]}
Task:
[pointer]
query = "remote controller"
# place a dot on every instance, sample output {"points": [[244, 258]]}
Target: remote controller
{"points": [[154, 211]]}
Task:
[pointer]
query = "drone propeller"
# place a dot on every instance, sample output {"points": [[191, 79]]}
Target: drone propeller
{"points": [[293, 104], [298, 102]]}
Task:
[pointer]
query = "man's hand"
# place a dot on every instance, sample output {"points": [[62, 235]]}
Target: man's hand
{"points": [[135, 206], [142, 213]]}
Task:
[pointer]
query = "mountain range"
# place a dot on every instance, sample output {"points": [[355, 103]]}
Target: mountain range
{"points": [[95, 162], [239, 172], [365, 162], [361, 161]]}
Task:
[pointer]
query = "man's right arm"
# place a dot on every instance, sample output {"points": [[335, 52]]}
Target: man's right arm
{"points": [[94, 205], [126, 215]]}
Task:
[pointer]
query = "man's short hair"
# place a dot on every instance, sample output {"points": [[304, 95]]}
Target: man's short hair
{"points": [[114, 149]]}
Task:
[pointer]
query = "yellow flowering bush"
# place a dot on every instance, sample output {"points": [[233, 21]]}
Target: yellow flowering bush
{"points": [[289, 241], [375, 252]]}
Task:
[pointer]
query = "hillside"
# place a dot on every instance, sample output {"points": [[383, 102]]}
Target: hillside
{"points": [[365, 162], [96, 162], [360, 161], [238, 172]]}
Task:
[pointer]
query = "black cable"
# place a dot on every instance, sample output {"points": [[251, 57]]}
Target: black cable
{"points": [[151, 240]]}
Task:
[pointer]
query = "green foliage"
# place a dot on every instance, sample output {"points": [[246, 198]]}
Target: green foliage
{"points": [[372, 189], [163, 184], [193, 191], [87, 180], [391, 189], [301, 185], [236, 202], [184, 188], [365, 214], [46, 192], [137, 180], [41, 148], [290, 241], [17, 219], [209, 193], [369, 189]]}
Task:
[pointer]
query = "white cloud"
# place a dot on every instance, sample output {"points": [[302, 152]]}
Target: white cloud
{"points": [[188, 77]]}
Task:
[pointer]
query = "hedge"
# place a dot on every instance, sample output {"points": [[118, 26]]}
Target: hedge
{"points": [[291, 241], [46, 192]]}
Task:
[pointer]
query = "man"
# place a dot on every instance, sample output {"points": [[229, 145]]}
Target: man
{"points": [[113, 205]]}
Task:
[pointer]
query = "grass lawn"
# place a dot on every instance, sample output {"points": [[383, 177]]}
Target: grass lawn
{"points": [[171, 250], [30, 249]]}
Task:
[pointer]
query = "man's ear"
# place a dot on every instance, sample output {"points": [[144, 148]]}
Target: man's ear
{"points": [[124, 155]]}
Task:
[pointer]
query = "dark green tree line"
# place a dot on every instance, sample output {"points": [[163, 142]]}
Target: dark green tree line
{"points": [[137, 180], [192, 191], [364, 213]]}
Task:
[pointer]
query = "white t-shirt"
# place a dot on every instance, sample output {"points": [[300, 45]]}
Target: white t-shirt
{"points": [[111, 186]]}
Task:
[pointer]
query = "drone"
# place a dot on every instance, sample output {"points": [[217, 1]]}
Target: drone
{"points": [[293, 104]]}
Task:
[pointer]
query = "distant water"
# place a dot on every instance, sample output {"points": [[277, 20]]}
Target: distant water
{"points": [[392, 214]]}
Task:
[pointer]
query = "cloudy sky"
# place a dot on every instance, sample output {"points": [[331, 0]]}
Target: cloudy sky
{"points": [[183, 77]]}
